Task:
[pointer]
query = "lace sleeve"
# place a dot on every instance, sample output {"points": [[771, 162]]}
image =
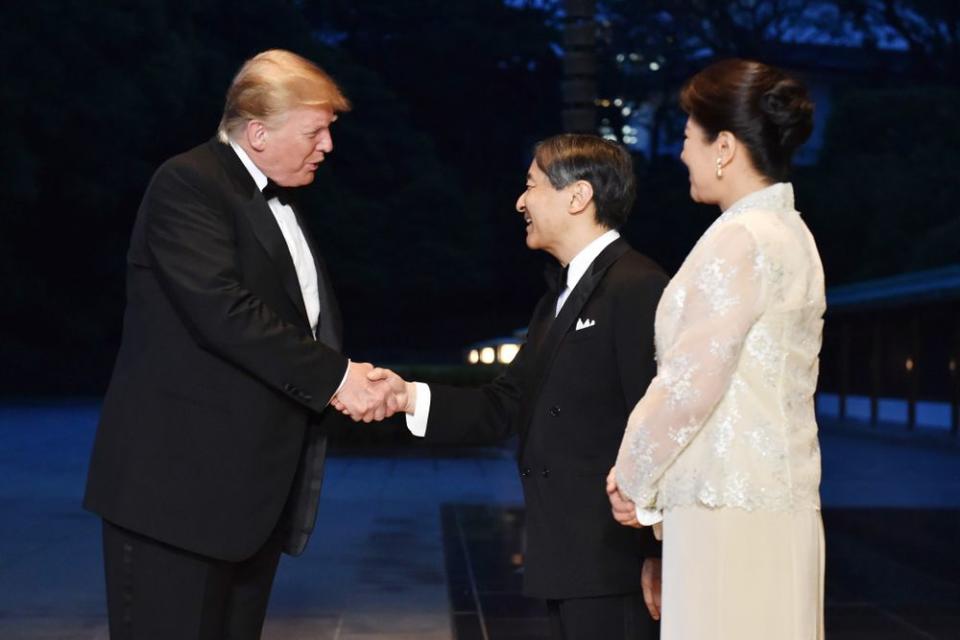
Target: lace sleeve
{"points": [[722, 291]]}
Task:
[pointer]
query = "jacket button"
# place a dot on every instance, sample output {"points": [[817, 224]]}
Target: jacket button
{"points": [[554, 411], [525, 472], [546, 472]]}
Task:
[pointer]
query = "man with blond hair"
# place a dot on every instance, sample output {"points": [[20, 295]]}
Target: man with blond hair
{"points": [[209, 454]]}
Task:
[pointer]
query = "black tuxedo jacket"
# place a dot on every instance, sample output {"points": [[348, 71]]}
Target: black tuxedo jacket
{"points": [[204, 439], [568, 394]]}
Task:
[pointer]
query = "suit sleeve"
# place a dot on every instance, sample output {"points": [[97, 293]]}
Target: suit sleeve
{"points": [[482, 415], [636, 358], [634, 342], [191, 241]]}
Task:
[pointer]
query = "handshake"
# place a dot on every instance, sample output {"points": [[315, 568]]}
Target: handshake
{"points": [[372, 393]]}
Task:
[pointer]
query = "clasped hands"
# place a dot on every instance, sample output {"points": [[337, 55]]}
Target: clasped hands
{"points": [[625, 512], [372, 393], [623, 508]]}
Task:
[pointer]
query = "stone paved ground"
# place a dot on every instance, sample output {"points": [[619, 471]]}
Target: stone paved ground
{"points": [[380, 565]]}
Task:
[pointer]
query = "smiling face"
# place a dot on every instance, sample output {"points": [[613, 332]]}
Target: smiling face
{"points": [[545, 212], [290, 150], [700, 157]]}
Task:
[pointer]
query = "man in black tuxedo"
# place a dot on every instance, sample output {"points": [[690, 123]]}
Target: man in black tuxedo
{"points": [[588, 359], [209, 454]]}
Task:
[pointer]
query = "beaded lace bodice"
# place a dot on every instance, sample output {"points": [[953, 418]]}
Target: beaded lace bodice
{"points": [[729, 419]]}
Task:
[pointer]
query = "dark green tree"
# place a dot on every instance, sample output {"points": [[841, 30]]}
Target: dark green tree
{"points": [[883, 198], [97, 95]]}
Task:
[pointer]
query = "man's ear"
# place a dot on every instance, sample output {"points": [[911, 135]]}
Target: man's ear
{"points": [[256, 133], [581, 195]]}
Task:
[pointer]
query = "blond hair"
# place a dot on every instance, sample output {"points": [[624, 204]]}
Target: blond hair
{"points": [[272, 83]]}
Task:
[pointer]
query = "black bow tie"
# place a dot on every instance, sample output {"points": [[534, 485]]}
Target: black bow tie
{"points": [[273, 190], [556, 276]]}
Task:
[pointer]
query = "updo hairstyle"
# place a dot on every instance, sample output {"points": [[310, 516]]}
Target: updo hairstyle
{"points": [[764, 108]]}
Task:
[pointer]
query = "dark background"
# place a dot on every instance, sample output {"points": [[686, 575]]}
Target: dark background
{"points": [[414, 209]]}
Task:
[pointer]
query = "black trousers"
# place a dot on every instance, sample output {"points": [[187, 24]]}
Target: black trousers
{"points": [[618, 617], [159, 592]]}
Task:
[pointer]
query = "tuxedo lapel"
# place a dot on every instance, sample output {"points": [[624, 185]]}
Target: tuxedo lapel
{"points": [[330, 327], [546, 350], [540, 324], [300, 513], [264, 225], [268, 232]]}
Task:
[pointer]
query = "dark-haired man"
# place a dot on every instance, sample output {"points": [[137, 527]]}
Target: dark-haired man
{"points": [[588, 359]]}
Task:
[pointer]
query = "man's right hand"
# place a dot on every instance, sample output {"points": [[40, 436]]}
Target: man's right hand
{"points": [[370, 394], [364, 399], [405, 393]]}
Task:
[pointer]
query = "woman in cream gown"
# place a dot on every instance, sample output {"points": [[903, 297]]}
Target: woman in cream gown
{"points": [[723, 445]]}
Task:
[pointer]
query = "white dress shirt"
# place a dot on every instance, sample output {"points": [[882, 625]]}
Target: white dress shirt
{"points": [[417, 423], [581, 263], [303, 262], [300, 252]]}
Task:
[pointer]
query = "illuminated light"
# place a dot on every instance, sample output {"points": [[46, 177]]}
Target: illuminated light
{"points": [[626, 111], [618, 102], [627, 129], [488, 355], [473, 357], [909, 364], [621, 57], [654, 66], [610, 137], [953, 364], [634, 57], [507, 352]]}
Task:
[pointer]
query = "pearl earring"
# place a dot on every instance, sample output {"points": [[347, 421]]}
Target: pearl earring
{"points": [[719, 169]]}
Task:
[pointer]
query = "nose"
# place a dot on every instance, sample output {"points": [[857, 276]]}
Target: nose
{"points": [[521, 203], [325, 143]]}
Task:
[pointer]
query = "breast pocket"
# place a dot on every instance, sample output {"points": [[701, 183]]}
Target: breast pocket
{"points": [[583, 335]]}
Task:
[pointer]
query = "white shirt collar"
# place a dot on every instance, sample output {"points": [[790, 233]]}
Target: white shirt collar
{"points": [[582, 261], [258, 176]]}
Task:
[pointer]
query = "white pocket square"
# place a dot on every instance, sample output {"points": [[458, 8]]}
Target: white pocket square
{"points": [[585, 324]]}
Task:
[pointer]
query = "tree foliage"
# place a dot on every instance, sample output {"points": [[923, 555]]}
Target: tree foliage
{"points": [[97, 95]]}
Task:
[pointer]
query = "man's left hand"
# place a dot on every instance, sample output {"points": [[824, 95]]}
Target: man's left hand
{"points": [[651, 580]]}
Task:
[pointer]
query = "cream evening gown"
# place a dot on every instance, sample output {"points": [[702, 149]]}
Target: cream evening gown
{"points": [[724, 442]]}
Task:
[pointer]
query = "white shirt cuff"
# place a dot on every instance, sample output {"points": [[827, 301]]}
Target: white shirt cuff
{"points": [[647, 517], [417, 423]]}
